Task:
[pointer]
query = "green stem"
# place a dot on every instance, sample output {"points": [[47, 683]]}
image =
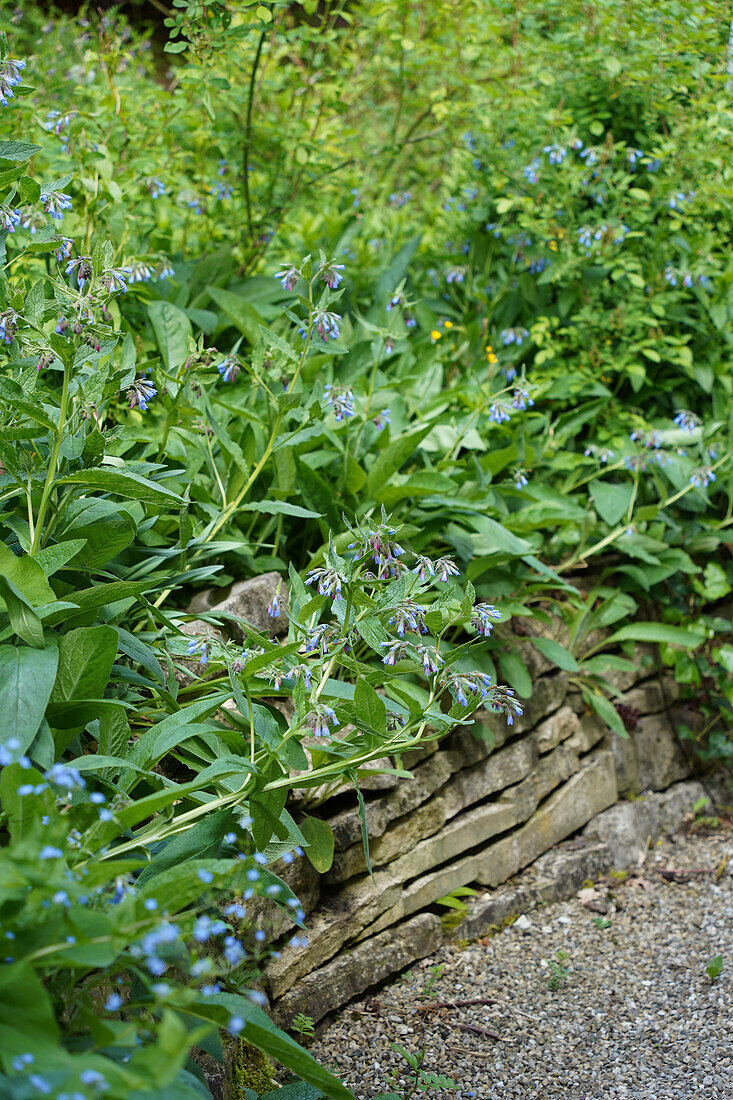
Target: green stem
{"points": [[51, 474]]}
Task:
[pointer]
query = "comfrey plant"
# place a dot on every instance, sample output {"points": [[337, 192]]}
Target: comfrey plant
{"points": [[371, 600]]}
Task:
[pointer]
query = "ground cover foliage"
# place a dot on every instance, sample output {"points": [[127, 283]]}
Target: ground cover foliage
{"points": [[435, 330]]}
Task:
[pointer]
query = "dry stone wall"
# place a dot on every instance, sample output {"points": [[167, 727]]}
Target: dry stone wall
{"points": [[481, 806]]}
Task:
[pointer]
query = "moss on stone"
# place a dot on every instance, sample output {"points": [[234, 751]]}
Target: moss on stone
{"points": [[249, 1068]]}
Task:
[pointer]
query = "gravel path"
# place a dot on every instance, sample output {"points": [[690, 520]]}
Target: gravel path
{"points": [[632, 1015]]}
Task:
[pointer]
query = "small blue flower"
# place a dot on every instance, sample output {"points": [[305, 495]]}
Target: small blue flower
{"points": [[39, 1083], [49, 852], [229, 368], [331, 275], [23, 1060], [288, 277], [499, 412], [141, 393], [93, 1078], [319, 718], [341, 400], [113, 1002], [155, 186], [204, 875], [55, 202], [235, 1025], [702, 476], [483, 617]]}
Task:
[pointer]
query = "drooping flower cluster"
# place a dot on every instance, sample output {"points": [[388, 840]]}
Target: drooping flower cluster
{"points": [[140, 393], [10, 71]]}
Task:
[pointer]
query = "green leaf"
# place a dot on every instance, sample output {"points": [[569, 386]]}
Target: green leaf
{"points": [[124, 483], [173, 332], [656, 632], [26, 681], [369, 707], [53, 558], [23, 620], [605, 709], [86, 656], [18, 150], [279, 507], [556, 653], [393, 457], [242, 314], [514, 670], [202, 841], [611, 501], [12, 394], [142, 654], [27, 1019], [714, 968], [319, 835], [27, 575]]}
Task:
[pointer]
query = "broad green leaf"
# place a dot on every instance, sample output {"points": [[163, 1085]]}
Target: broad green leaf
{"points": [[556, 653], [27, 575], [611, 500], [514, 671], [201, 841], [124, 483], [141, 654], [86, 656], [393, 457], [18, 150], [241, 313], [23, 620], [26, 681], [319, 835], [27, 1018], [53, 558], [173, 332], [369, 707]]}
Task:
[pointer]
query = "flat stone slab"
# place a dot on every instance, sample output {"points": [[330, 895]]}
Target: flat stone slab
{"points": [[359, 968]]}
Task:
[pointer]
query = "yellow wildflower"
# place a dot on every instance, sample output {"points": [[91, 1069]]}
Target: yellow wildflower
{"points": [[435, 335]]}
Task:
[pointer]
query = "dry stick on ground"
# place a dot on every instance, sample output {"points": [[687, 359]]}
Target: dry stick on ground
{"points": [[475, 1030], [436, 1005]]}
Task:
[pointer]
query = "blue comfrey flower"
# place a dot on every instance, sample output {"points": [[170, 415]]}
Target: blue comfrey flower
{"points": [[687, 420], [670, 275], [204, 875], [521, 399], [396, 651], [200, 646], [10, 71], [555, 153], [493, 228], [444, 568], [221, 191], [63, 252], [229, 368], [140, 271], [210, 990], [8, 325], [585, 236], [205, 928], [82, 265], [55, 202], [382, 418], [398, 198], [331, 275], [23, 1060], [140, 393], [115, 279], [275, 607], [513, 336], [9, 218], [409, 616], [499, 412], [677, 199], [341, 400], [503, 701], [702, 476], [195, 205], [530, 171], [320, 637], [113, 1002], [603, 454], [520, 478], [590, 156], [327, 324], [455, 275], [235, 1024], [319, 719], [482, 616], [164, 271], [423, 567], [461, 685], [155, 186], [65, 777], [575, 144], [328, 581], [430, 659], [633, 156], [288, 277]]}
